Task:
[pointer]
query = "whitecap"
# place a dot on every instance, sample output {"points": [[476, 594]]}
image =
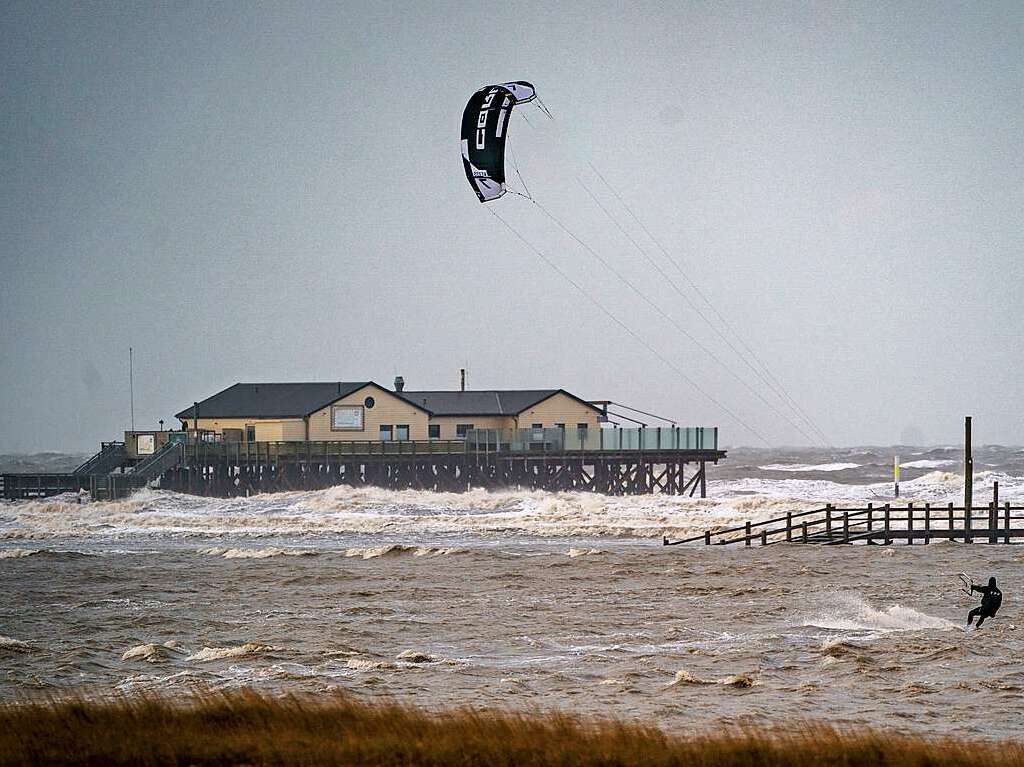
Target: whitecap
{"points": [[219, 653], [850, 611]]}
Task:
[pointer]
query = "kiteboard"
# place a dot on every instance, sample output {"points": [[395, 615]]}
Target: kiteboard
{"points": [[965, 583]]}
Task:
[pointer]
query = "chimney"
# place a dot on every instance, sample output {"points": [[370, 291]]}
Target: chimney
{"points": [[462, 379], [399, 383]]}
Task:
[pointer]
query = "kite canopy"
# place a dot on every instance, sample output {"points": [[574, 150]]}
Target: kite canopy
{"points": [[484, 126]]}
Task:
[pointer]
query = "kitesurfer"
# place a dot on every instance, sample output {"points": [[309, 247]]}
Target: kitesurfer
{"points": [[991, 599]]}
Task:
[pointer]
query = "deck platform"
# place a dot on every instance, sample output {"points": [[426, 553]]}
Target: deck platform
{"points": [[615, 462]]}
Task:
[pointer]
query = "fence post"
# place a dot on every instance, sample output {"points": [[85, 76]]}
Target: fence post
{"points": [[707, 537], [789, 526], [886, 539], [746, 541], [764, 537], [804, 525], [846, 527], [1006, 522], [910, 524], [952, 535], [828, 519], [927, 523], [871, 514], [968, 513], [993, 512]]}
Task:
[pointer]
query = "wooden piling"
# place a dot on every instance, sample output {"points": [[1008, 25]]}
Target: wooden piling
{"points": [[968, 470]]}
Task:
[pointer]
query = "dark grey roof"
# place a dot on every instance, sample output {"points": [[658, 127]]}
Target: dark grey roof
{"points": [[482, 402], [272, 400]]}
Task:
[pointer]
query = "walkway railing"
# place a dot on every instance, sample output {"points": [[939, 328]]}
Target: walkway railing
{"points": [[875, 524]]}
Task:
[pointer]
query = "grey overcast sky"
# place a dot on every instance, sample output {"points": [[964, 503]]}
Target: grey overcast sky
{"points": [[271, 192]]}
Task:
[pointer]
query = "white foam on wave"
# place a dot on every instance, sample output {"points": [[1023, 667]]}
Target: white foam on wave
{"points": [[849, 611], [396, 549], [18, 553], [7, 644], [375, 511], [804, 467], [152, 652], [264, 553], [220, 653], [927, 464], [577, 552]]}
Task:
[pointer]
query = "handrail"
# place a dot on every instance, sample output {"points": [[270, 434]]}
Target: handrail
{"points": [[844, 524], [727, 530]]}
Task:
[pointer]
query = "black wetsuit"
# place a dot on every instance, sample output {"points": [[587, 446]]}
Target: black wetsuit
{"points": [[991, 599]]}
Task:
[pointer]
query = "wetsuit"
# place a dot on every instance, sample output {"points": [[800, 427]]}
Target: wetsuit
{"points": [[991, 599]]}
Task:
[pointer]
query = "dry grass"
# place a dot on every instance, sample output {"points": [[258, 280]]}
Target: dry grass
{"points": [[245, 728]]}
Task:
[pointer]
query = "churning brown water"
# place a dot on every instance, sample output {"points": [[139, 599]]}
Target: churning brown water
{"points": [[509, 600]]}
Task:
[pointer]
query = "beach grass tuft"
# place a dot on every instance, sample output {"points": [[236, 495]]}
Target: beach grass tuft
{"points": [[249, 728]]}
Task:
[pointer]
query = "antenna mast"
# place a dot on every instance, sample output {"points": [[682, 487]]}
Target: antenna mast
{"points": [[131, 385]]}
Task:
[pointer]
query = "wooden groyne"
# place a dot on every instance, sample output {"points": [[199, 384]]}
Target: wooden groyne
{"points": [[884, 524]]}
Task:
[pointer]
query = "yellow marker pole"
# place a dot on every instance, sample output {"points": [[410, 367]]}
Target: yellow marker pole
{"points": [[896, 473]]}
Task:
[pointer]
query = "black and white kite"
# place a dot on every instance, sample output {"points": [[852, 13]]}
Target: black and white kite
{"points": [[484, 125]]}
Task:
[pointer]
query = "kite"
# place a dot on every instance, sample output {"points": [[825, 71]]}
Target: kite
{"points": [[484, 128]]}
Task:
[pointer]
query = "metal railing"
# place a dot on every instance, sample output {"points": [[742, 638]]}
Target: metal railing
{"points": [[591, 440], [110, 457]]}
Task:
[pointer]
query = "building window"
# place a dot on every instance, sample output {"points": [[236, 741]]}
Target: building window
{"points": [[385, 432], [347, 418], [369, 402], [461, 429], [582, 426], [402, 432], [537, 426], [560, 426], [250, 432], [434, 431]]}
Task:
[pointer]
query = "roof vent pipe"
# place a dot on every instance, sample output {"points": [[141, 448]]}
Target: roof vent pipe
{"points": [[399, 383], [462, 379]]}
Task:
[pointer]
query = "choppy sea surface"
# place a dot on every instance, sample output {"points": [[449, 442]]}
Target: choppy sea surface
{"points": [[527, 599]]}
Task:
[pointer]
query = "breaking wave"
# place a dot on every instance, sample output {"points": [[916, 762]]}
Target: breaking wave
{"points": [[849, 611], [395, 549], [374, 511], [18, 553], [266, 553], [803, 467], [13, 645], [219, 653]]}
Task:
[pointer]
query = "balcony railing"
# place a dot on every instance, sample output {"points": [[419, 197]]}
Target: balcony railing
{"points": [[591, 440]]}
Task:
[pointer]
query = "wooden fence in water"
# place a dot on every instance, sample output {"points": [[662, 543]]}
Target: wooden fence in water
{"points": [[884, 524]]}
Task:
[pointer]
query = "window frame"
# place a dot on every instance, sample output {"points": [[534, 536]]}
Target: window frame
{"points": [[362, 418], [390, 432]]}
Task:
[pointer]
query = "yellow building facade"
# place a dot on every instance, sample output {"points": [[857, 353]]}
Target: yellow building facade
{"points": [[318, 412]]}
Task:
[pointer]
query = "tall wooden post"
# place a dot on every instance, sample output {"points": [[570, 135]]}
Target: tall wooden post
{"points": [[968, 468]]}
